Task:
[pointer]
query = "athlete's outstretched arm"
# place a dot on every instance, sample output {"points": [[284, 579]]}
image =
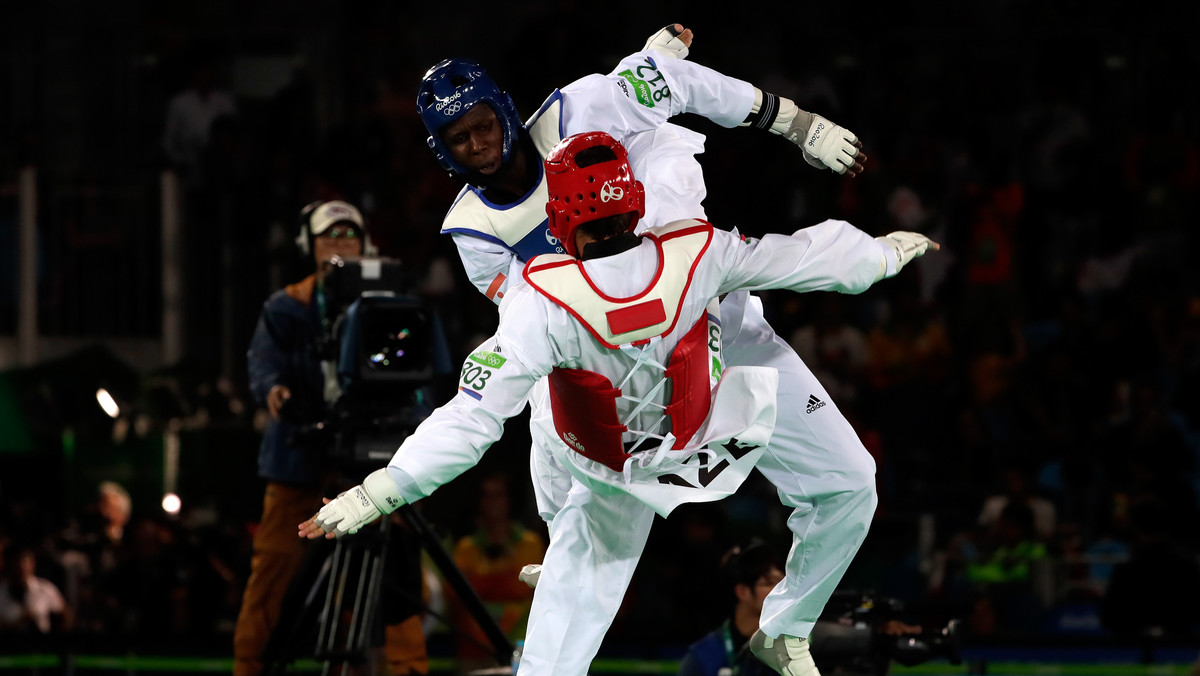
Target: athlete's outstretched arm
{"points": [[688, 87], [830, 256], [493, 386]]}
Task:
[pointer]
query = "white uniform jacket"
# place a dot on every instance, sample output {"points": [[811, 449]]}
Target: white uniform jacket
{"points": [[537, 334], [633, 104]]}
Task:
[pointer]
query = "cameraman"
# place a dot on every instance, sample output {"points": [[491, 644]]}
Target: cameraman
{"points": [[286, 377], [751, 572], [857, 635]]}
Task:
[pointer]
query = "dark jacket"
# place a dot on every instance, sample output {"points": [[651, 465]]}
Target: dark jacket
{"points": [[709, 655], [282, 352]]}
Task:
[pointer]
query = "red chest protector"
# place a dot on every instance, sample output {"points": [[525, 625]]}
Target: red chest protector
{"points": [[584, 403]]}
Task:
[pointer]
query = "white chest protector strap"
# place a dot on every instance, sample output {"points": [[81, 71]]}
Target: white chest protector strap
{"points": [[622, 321]]}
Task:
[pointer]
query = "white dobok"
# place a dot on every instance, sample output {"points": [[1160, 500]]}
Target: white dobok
{"points": [[623, 318], [807, 456]]}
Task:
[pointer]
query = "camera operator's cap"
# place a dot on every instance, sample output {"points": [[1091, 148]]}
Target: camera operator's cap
{"points": [[331, 213]]}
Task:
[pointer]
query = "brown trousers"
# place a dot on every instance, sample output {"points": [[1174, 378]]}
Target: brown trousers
{"points": [[278, 553]]}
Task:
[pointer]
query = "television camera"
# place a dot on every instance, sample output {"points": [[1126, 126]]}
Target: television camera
{"points": [[381, 353], [850, 638], [382, 349]]}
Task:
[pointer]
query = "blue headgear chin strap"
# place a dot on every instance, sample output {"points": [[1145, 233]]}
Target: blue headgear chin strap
{"points": [[448, 91]]}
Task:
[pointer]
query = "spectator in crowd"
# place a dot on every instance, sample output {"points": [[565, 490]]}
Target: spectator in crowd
{"points": [[1146, 455], [834, 349], [94, 546], [149, 589], [115, 508], [1011, 575], [28, 602], [491, 559], [191, 113], [1015, 488], [1157, 591], [101, 532]]}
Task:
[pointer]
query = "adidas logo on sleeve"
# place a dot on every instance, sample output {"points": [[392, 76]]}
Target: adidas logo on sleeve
{"points": [[813, 403]]}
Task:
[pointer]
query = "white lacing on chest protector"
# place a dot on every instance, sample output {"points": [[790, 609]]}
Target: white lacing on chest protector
{"points": [[649, 458]]}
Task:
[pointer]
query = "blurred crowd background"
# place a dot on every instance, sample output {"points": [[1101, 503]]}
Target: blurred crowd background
{"points": [[1031, 392]]}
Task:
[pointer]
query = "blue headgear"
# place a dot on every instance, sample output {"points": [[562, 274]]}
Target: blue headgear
{"points": [[448, 91]]}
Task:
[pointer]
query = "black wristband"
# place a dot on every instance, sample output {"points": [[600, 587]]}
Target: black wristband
{"points": [[765, 116]]}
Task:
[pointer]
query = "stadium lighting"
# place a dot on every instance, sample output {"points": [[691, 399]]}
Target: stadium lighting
{"points": [[107, 403]]}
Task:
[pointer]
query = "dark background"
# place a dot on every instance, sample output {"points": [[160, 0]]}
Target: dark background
{"points": [[1050, 147]]}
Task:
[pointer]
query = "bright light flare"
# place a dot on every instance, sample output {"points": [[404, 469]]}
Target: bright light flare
{"points": [[107, 403], [171, 503]]}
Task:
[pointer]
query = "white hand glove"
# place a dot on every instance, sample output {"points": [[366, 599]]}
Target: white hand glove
{"points": [[826, 144], [531, 574], [349, 512], [666, 42], [900, 247]]}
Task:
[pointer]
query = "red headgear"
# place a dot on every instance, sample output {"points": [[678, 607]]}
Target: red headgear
{"points": [[579, 195]]}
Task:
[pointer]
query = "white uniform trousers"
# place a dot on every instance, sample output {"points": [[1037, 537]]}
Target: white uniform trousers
{"points": [[823, 474], [595, 543], [816, 461]]}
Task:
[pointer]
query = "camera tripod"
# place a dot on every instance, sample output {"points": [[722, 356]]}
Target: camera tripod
{"points": [[340, 589]]}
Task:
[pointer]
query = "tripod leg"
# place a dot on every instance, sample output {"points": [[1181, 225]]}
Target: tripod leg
{"points": [[327, 630], [298, 609], [366, 601], [355, 582], [500, 644]]}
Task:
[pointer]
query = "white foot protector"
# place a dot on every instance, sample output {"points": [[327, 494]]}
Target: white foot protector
{"points": [[787, 655], [530, 574]]}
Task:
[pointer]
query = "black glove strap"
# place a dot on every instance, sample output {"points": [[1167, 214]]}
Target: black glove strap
{"points": [[765, 116]]}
